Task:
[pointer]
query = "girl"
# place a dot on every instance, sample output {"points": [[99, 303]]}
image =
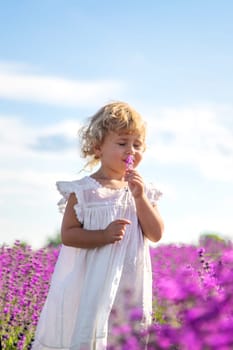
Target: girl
{"points": [[109, 219]]}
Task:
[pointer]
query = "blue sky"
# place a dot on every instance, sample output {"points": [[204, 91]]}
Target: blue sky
{"points": [[172, 60]]}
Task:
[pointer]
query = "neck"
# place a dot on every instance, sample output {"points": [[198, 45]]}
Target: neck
{"points": [[104, 175]]}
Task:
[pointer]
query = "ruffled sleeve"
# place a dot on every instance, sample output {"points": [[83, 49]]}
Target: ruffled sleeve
{"points": [[65, 188], [153, 193]]}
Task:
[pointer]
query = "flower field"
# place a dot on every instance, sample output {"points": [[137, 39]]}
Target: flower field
{"points": [[192, 298]]}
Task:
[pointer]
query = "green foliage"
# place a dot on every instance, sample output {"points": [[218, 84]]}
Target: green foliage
{"points": [[54, 241], [214, 236], [158, 312]]}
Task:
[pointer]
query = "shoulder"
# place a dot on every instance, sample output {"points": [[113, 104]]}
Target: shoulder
{"points": [[68, 187], [152, 192]]}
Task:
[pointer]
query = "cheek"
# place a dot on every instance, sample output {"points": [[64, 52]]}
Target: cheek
{"points": [[138, 157]]}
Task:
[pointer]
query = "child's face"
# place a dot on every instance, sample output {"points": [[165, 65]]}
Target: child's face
{"points": [[117, 146]]}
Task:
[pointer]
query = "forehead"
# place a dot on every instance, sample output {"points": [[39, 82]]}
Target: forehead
{"points": [[128, 135]]}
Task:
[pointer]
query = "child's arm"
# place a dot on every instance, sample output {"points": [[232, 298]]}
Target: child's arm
{"points": [[74, 235], [149, 218]]}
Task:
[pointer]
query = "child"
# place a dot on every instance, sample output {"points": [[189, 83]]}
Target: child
{"points": [[109, 219]]}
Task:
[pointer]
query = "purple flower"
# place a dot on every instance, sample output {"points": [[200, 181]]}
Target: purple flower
{"points": [[192, 298], [129, 162], [136, 315]]}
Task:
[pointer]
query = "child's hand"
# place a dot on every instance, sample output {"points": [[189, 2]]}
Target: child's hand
{"points": [[115, 230], [135, 182]]}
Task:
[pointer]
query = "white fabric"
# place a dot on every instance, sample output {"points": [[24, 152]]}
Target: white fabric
{"points": [[88, 283]]}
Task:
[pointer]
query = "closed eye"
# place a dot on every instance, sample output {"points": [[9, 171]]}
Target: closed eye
{"points": [[138, 146]]}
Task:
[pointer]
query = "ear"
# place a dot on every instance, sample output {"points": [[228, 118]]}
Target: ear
{"points": [[97, 151]]}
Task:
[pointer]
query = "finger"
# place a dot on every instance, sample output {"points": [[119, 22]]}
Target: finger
{"points": [[120, 232], [123, 221], [136, 182], [118, 237], [135, 177], [129, 175]]}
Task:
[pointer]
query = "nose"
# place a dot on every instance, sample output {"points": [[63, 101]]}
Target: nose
{"points": [[130, 149]]}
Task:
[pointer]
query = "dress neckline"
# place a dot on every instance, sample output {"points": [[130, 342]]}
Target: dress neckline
{"points": [[99, 185]]}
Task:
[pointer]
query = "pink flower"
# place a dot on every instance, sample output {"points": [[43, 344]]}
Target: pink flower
{"points": [[129, 162]]}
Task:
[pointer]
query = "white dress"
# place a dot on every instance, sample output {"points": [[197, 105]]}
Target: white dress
{"points": [[88, 283]]}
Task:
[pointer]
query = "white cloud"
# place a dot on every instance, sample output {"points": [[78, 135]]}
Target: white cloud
{"points": [[17, 138], [25, 171], [16, 84], [27, 179], [198, 136]]}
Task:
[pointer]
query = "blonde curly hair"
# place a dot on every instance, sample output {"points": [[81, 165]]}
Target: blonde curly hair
{"points": [[116, 117]]}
